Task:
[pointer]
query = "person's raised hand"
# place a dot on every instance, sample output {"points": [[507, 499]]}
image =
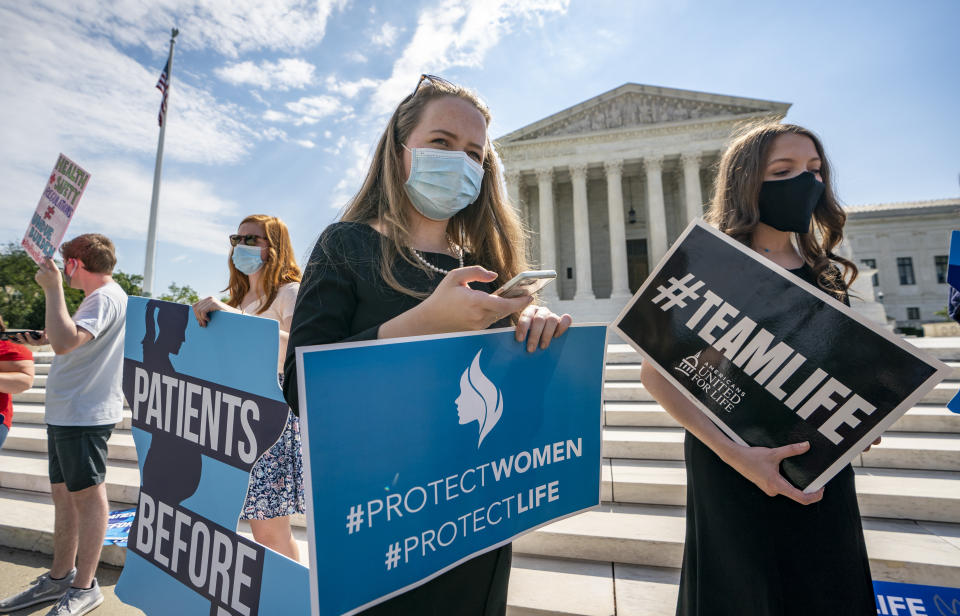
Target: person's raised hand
{"points": [[538, 325], [761, 465], [454, 306], [48, 276], [204, 307]]}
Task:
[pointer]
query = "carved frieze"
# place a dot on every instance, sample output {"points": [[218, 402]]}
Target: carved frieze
{"points": [[636, 109]]}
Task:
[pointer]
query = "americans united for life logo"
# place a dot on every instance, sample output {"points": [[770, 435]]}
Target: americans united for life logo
{"points": [[479, 400], [714, 382]]}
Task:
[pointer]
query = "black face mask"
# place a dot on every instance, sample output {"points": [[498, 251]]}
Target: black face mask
{"points": [[787, 205]]}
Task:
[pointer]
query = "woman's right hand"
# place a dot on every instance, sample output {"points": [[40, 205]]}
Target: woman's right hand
{"points": [[454, 307], [761, 465], [204, 307]]}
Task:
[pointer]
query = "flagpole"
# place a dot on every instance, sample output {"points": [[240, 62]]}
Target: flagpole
{"points": [[151, 256]]}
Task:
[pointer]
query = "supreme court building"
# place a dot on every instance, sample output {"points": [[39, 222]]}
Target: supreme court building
{"points": [[607, 185]]}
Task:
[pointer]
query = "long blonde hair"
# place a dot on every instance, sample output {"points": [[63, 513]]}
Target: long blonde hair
{"points": [[279, 268], [735, 208], [489, 228]]}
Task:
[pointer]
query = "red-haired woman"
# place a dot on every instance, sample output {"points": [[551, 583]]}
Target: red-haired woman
{"points": [[264, 281]]}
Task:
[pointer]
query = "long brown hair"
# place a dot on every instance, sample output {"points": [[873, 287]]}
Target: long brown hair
{"points": [[735, 207], [489, 228], [279, 268]]}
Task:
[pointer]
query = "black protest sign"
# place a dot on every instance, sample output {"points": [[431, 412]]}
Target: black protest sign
{"points": [[770, 358]]}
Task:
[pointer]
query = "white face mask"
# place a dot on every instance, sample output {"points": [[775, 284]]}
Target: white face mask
{"points": [[442, 182]]}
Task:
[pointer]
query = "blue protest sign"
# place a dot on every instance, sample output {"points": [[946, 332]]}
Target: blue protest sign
{"points": [[953, 262], [118, 527], [424, 452], [953, 279], [895, 599], [206, 405]]}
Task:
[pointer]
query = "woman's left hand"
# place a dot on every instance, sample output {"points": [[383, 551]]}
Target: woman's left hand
{"points": [[539, 325], [876, 442], [204, 307]]}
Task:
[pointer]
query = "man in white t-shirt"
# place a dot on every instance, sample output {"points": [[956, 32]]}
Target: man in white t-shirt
{"points": [[84, 400]]}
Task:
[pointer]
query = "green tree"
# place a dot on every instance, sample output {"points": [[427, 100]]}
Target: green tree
{"points": [[132, 284], [22, 302], [181, 295]]}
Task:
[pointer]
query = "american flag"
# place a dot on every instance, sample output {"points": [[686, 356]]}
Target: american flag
{"points": [[162, 86]]}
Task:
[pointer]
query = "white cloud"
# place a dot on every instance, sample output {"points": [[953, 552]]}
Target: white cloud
{"points": [[229, 28], [305, 143], [311, 109], [272, 115], [80, 94], [355, 57], [456, 33], [76, 93], [386, 37], [350, 89], [283, 74]]}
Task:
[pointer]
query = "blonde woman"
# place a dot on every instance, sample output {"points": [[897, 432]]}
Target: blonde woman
{"points": [[264, 281], [418, 251], [755, 544]]}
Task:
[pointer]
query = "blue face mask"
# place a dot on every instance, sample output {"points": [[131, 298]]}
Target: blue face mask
{"points": [[441, 182], [247, 258]]}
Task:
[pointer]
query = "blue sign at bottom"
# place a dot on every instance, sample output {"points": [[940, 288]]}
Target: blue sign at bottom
{"points": [[423, 453], [894, 599]]}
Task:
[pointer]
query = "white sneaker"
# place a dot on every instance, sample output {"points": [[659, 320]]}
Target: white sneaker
{"points": [[42, 589], [78, 601]]}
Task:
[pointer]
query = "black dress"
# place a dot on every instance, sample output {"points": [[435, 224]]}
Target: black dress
{"points": [[747, 554], [343, 298]]}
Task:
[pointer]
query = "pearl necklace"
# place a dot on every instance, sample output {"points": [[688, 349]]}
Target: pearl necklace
{"points": [[453, 248]]}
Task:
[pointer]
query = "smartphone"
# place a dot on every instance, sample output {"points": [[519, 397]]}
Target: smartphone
{"points": [[8, 334], [526, 283]]}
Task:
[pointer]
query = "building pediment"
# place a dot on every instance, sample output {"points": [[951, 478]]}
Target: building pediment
{"points": [[634, 105]]}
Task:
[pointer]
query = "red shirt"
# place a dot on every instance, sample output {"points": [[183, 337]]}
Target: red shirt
{"points": [[10, 351]]}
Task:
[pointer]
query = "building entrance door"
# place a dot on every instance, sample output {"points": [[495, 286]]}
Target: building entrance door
{"points": [[638, 267]]}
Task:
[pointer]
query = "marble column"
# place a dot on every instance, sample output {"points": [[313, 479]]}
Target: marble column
{"points": [[548, 250], [691, 185], [581, 233], [513, 195], [656, 212], [513, 190], [618, 235]]}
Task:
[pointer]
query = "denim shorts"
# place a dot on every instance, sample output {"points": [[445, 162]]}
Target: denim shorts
{"points": [[78, 455]]}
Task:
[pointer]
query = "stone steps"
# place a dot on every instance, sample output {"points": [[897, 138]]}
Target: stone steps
{"points": [[907, 450], [634, 391], [911, 450], [621, 558], [538, 585], [882, 493], [33, 437], [650, 535], [630, 370], [644, 541], [921, 418]]}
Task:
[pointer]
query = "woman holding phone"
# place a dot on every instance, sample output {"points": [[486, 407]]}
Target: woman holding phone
{"points": [[419, 250], [755, 544], [264, 281]]}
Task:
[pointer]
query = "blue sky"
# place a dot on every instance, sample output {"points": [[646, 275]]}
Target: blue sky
{"points": [[276, 105]]}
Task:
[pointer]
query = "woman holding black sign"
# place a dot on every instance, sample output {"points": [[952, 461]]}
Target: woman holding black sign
{"points": [[418, 251], [755, 544]]}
